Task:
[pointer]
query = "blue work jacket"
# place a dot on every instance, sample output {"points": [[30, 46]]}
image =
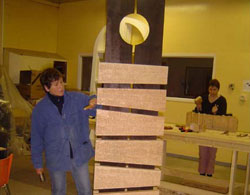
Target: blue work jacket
{"points": [[52, 132]]}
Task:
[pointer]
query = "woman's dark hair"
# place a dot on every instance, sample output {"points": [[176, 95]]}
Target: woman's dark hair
{"points": [[214, 83], [48, 76]]}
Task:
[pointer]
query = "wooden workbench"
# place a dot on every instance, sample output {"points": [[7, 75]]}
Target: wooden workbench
{"points": [[219, 140]]}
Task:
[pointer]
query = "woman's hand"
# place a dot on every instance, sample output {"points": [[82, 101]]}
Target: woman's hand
{"points": [[198, 102], [199, 107], [92, 104], [39, 171], [215, 109]]}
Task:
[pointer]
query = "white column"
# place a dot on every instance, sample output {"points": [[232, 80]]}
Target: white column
{"points": [[247, 174], [233, 169]]}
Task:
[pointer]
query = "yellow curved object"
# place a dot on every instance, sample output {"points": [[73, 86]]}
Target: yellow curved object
{"points": [[134, 29]]}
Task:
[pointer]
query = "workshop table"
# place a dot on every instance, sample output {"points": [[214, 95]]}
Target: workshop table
{"points": [[234, 141]]}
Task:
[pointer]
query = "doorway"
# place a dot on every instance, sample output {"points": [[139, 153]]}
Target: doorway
{"points": [[86, 73]]}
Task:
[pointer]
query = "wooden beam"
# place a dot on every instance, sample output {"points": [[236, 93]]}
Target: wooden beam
{"points": [[113, 123], [1, 30], [132, 74], [145, 99], [116, 49], [45, 2], [115, 177], [165, 186], [215, 122], [142, 192], [130, 151], [198, 181], [150, 51]]}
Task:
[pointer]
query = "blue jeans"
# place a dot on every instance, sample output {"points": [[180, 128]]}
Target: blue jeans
{"points": [[80, 176]]}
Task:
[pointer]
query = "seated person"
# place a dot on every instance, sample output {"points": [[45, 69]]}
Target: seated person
{"points": [[216, 104]]}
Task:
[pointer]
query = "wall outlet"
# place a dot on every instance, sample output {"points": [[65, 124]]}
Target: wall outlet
{"points": [[243, 97], [246, 85]]}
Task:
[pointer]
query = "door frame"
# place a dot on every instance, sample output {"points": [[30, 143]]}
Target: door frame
{"points": [[79, 68]]}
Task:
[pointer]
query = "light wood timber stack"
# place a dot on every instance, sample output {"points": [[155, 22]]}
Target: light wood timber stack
{"points": [[213, 122], [129, 146]]}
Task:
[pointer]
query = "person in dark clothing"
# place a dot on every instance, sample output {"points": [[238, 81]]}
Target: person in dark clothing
{"points": [[216, 104], [60, 129]]}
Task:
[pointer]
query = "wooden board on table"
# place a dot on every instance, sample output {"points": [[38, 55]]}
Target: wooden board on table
{"points": [[209, 121], [113, 123], [215, 122], [133, 74], [107, 177], [145, 99], [142, 192], [220, 123], [233, 124], [130, 151]]}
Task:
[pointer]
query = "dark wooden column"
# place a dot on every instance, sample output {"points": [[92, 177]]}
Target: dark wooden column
{"points": [[117, 50], [150, 51]]}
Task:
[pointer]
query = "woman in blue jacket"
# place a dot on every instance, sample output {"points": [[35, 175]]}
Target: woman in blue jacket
{"points": [[60, 129]]}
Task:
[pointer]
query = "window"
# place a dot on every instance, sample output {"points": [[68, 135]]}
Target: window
{"points": [[62, 67], [188, 77]]}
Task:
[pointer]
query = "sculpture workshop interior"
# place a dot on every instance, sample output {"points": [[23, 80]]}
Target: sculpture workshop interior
{"points": [[172, 84]]}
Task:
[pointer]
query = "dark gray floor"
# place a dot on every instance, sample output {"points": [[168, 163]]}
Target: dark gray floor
{"points": [[24, 180]]}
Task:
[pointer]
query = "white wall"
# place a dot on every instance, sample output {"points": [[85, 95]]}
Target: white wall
{"points": [[19, 62]]}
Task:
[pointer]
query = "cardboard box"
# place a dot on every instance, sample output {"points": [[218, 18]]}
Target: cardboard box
{"points": [[31, 91], [30, 86], [30, 77]]}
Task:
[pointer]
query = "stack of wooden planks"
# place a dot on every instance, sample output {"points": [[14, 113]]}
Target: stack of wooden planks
{"points": [[129, 148]]}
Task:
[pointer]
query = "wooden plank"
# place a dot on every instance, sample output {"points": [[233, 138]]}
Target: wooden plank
{"points": [[142, 192], [165, 186], [115, 177], [233, 124], [1, 30], [146, 99], [215, 122], [116, 49], [198, 181], [211, 139], [113, 123], [130, 151], [133, 74]]}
